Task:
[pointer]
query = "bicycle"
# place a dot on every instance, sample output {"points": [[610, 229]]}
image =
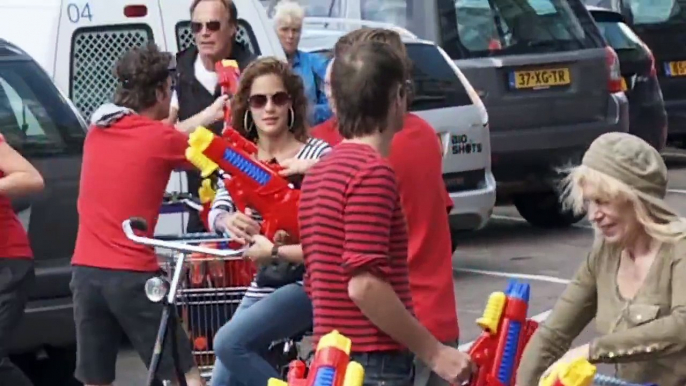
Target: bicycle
{"points": [[195, 298]]}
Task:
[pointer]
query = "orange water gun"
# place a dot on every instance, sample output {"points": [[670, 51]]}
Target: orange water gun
{"points": [[331, 366]]}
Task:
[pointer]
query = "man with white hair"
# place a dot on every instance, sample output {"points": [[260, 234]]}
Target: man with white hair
{"points": [[214, 24], [288, 21]]}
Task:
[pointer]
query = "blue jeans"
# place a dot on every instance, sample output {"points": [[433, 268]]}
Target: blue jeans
{"points": [[386, 368], [253, 327]]}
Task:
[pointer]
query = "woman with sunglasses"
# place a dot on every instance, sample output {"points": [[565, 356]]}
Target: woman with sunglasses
{"points": [[17, 178], [270, 109]]}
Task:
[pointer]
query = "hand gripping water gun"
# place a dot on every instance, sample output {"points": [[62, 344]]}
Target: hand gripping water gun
{"points": [[250, 182], [506, 332], [582, 373], [331, 366]]}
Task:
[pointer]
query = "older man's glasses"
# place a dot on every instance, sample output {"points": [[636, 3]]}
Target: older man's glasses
{"points": [[258, 101], [212, 26]]}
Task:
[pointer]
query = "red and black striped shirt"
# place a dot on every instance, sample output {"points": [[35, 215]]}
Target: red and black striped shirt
{"points": [[351, 220]]}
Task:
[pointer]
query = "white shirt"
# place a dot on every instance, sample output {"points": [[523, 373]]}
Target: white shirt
{"points": [[206, 78]]}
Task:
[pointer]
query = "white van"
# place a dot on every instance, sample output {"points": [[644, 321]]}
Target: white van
{"points": [[86, 37], [77, 42]]}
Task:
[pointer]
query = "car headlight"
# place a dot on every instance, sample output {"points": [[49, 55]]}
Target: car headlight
{"points": [[156, 288]]}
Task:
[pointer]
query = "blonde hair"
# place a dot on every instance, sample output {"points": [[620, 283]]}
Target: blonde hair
{"points": [[607, 188], [288, 11]]}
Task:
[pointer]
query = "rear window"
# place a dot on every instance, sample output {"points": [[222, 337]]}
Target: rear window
{"points": [[434, 83], [654, 11], [510, 27]]}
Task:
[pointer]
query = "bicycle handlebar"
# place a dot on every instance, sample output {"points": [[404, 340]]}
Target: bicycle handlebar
{"points": [[140, 224]]}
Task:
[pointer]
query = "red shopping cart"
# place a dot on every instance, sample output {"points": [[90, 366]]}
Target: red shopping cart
{"points": [[202, 311]]}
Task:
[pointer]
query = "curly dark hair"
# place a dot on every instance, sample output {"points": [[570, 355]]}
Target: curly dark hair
{"points": [[141, 72], [291, 82]]}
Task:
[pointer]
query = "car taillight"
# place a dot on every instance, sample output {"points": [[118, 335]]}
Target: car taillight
{"points": [[614, 81]]}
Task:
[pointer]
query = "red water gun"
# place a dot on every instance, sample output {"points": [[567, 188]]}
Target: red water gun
{"points": [[331, 366], [227, 77], [251, 183], [506, 332]]}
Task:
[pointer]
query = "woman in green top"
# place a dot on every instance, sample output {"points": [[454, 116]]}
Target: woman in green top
{"points": [[633, 282]]}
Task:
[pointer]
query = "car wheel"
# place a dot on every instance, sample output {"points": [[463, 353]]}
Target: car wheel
{"points": [[544, 210]]}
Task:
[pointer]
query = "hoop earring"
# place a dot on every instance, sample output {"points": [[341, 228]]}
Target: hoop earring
{"points": [[291, 118], [248, 125]]}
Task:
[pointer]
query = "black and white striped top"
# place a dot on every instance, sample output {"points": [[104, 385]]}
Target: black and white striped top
{"points": [[313, 149]]}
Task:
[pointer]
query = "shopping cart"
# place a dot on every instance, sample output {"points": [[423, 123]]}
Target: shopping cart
{"points": [[215, 305]]}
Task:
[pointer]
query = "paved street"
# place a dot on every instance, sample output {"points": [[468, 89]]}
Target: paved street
{"points": [[507, 247]]}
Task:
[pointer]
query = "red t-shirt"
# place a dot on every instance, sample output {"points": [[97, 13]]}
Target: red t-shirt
{"points": [[417, 161], [125, 171], [328, 131], [14, 243], [351, 221], [416, 158]]}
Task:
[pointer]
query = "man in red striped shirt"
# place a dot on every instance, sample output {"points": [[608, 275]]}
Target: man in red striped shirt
{"points": [[415, 156], [354, 234]]}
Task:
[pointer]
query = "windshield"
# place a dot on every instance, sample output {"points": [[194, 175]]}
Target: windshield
{"points": [[619, 36], [34, 117], [654, 11], [499, 27]]}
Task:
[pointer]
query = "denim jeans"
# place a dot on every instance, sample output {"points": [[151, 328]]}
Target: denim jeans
{"points": [[253, 327], [392, 368]]}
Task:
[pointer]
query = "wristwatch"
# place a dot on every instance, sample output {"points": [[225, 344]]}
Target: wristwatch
{"points": [[275, 252]]}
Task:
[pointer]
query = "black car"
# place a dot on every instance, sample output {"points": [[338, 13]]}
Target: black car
{"points": [[39, 122], [661, 24], [647, 115]]}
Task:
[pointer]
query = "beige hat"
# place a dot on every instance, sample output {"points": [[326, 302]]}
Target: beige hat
{"points": [[637, 164]]}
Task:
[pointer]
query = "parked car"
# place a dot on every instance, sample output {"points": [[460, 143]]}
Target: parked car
{"points": [[38, 121], [542, 69], [443, 97], [647, 115], [661, 24]]}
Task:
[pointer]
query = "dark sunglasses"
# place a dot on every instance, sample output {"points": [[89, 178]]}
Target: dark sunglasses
{"points": [[258, 101], [212, 26]]}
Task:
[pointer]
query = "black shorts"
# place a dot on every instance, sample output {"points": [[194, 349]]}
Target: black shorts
{"points": [[109, 303]]}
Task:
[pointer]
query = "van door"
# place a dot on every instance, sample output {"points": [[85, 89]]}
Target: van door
{"points": [[92, 36]]}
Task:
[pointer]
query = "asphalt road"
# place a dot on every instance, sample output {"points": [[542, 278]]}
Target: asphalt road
{"points": [[507, 247]]}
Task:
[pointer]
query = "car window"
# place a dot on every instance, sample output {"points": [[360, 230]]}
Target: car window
{"points": [[34, 117], [387, 11], [619, 36], [506, 27], [654, 11], [435, 84]]}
